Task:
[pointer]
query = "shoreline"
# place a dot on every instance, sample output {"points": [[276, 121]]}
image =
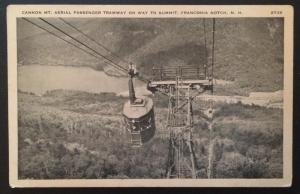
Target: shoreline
{"points": [[265, 99]]}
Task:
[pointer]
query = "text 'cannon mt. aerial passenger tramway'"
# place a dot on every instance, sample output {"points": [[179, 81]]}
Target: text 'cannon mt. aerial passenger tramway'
{"points": [[181, 84]]}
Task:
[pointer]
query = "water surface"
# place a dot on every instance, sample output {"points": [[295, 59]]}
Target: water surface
{"points": [[39, 79]]}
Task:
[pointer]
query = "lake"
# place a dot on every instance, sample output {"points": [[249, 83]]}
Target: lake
{"points": [[39, 79]]}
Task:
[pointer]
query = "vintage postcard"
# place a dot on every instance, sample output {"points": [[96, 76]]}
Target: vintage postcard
{"points": [[150, 95]]}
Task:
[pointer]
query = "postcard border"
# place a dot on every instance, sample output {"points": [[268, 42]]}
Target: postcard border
{"points": [[13, 11]]}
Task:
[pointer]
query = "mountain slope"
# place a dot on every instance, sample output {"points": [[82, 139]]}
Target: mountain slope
{"points": [[247, 51]]}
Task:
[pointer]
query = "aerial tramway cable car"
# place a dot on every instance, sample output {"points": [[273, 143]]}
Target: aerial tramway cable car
{"points": [[138, 114]]}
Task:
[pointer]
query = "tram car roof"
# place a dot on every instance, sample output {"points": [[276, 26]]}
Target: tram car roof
{"points": [[136, 111]]}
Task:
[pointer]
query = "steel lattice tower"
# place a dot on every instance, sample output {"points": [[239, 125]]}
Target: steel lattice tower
{"points": [[181, 157], [181, 161], [179, 83]]}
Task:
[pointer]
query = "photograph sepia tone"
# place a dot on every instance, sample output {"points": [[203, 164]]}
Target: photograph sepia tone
{"points": [[151, 98]]}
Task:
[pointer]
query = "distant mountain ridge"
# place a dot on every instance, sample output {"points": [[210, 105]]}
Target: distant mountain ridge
{"points": [[248, 51]]}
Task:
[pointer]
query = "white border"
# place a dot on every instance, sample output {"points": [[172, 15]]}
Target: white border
{"points": [[14, 11]]}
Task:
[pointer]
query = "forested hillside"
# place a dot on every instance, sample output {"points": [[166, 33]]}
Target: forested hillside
{"points": [[71, 134]]}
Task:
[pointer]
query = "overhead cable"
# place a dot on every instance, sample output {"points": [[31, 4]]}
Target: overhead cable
{"points": [[57, 28], [93, 40]]}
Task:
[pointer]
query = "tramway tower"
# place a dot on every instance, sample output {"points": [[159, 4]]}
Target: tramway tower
{"points": [[179, 83], [182, 84]]}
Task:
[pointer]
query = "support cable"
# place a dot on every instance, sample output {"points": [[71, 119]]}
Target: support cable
{"points": [[213, 56], [112, 62], [205, 46], [52, 33], [118, 67], [210, 172], [93, 40]]}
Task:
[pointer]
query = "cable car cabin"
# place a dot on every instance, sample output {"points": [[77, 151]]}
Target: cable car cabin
{"points": [[138, 115], [139, 120]]}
